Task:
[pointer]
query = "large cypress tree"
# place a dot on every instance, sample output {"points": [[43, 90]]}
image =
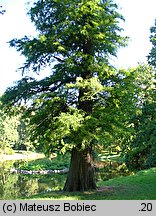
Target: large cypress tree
{"points": [[76, 38]]}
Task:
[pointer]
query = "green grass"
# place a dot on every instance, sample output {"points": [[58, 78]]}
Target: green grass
{"points": [[140, 186]]}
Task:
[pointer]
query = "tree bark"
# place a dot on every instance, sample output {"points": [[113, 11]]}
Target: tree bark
{"points": [[81, 176]]}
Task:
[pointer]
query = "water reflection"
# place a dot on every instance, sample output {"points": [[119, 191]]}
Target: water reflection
{"points": [[14, 186]]}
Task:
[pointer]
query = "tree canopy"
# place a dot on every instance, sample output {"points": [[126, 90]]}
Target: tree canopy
{"points": [[140, 149], [141, 154], [152, 54], [77, 45]]}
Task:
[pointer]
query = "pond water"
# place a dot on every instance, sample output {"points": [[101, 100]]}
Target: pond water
{"points": [[15, 186]]}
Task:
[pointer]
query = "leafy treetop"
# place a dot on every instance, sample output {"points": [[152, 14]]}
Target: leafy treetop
{"points": [[76, 38]]}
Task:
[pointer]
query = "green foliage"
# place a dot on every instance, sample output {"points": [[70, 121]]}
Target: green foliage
{"points": [[24, 142], [13, 133], [8, 132], [62, 35], [142, 150], [141, 153], [76, 39], [152, 54], [60, 162]]}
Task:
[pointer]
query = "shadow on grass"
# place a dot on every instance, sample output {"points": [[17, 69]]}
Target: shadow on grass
{"points": [[101, 193]]}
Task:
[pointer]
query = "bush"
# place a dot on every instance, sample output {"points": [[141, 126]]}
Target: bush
{"points": [[141, 158]]}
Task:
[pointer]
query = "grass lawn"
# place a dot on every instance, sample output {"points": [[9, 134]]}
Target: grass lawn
{"points": [[141, 186]]}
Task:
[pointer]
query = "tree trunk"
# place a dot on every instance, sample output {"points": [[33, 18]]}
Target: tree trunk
{"points": [[81, 176]]}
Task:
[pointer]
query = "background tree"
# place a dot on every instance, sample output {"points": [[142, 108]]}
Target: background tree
{"points": [[24, 142], [70, 109], [8, 132], [141, 148], [14, 133], [152, 54]]}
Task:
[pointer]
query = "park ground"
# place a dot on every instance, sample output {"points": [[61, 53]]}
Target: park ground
{"points": [[137, 186], [140, 186]]}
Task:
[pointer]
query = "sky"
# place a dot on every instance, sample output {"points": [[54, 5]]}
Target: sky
{"points": [[139, 16]]}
